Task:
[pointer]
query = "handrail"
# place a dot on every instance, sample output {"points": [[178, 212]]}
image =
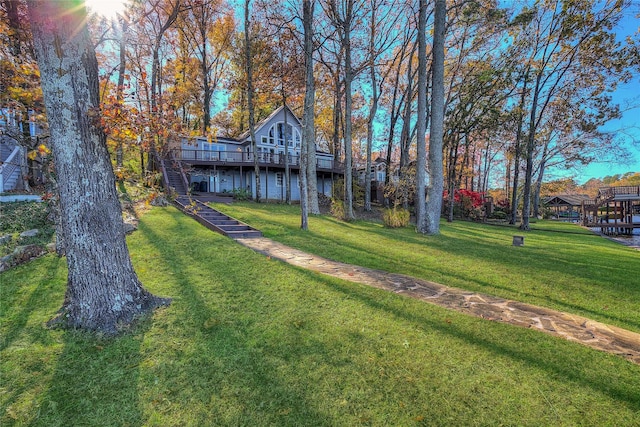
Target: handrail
{"points": [[185, 181], [607, 192], [186, 154], [165, 177]]}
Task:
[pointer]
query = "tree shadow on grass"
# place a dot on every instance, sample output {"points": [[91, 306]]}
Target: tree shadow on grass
{"points": [[589, 372], [44, 291], [219, 367], [95, 381], [469, 243]]}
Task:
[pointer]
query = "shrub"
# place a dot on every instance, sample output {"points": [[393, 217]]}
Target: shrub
{"points": [[395, 218], [337, 209], [241, 194], [498, 215]]}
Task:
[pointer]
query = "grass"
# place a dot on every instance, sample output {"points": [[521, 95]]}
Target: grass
{"points": [[252, 341], [22, 216], [561, 265]]}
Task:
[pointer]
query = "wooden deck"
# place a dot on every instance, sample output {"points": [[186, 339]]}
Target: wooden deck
{"points": [[243, 159], [628, 225], [613, 210]]}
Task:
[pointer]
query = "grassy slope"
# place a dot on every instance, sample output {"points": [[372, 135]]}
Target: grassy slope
{"points": [[561, 266], [251, 341], [22, 216]]}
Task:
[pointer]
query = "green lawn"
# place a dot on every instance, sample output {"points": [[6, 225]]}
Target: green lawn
{"points": [[561, 266], [252, 341]]}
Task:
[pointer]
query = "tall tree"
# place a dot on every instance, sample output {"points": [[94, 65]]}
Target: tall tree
{"points": [[436, 183], [250, 93], [308, 127], [381, 38], [344, 18], [208, 27], [122, 68], [103, 290], [421, 223], [567, 38]]}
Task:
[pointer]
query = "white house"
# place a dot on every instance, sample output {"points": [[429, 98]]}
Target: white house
{"points": [[222, 165]]}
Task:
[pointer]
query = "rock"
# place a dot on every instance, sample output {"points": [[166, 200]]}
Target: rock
{"points": [[129, 228], [160, 201], [51, 247], [30, 233], [6, 262], [5, 239], [22, 254]]}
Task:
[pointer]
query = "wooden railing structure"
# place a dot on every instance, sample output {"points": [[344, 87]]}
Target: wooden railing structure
{"points": [[613, 210], [243, 158], [10, 167]]}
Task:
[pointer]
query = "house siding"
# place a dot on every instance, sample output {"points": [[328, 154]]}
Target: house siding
{"points": [[221, 165]]}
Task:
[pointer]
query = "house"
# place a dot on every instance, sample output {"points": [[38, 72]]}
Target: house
{"points": [[378, 174], [13, 160], [226, 165]]}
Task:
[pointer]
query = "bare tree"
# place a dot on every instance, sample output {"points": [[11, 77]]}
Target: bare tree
{"points": [[308, 128], [343, 18], [422, 118], [436, 179], [250, 106]]}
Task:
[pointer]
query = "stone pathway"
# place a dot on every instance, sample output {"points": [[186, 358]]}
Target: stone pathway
{"points": [[571, 327]]}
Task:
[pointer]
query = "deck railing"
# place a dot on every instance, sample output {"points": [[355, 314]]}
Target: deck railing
{"points": [[244, 157], [632, 190]]}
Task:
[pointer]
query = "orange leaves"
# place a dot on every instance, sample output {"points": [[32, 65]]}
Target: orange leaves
{"points": [[119, 120], [42, 151]]}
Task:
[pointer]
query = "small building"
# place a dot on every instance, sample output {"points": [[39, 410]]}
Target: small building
{"points": [[224, 165], [566, 206]]}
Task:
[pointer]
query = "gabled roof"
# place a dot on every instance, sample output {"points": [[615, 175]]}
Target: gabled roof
{"points": [[566, 199], [265, 121]]}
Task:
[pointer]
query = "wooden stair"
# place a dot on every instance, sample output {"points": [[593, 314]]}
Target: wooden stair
{"points": [[215, 220], [174, 176]]}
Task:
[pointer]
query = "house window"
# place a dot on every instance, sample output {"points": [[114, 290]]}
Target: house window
{"points": [[278, 135], [264, 140], [279, 179]]}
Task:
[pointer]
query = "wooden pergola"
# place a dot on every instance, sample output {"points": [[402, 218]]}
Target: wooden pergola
{"points": [[566, 205]]}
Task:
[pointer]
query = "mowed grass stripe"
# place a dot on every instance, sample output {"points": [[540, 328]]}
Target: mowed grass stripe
{"points": [[252, 341]]}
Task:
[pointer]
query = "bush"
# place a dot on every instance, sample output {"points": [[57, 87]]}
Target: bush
{"points": [[395, 218], [241, 194], [498, 215], [337, 209]]}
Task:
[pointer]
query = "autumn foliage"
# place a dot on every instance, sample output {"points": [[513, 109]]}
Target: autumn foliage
{"points": [[467, 202]]}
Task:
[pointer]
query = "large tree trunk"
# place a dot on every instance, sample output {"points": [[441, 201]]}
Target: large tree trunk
{"points": [[516, 160], [436, 184], [250, 106], [120, 89], [308, 114], [405, 140], [312, 174], [538, 186], [103, 291], [422, 119], [372, 109], [531, 145], [348, 110]]}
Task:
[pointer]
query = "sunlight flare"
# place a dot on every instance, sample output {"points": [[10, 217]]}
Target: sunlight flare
{"points": [[106, 8]]}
